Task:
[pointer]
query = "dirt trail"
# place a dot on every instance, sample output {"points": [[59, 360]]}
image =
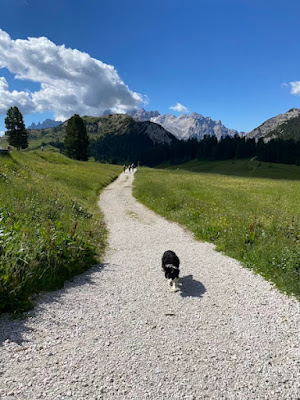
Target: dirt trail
{"points": [[118, 332]]}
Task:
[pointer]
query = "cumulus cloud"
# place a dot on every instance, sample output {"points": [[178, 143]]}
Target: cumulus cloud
{"points": [[2, 133], [295, 88], [179, 108], [9, 99], [71, 81]]}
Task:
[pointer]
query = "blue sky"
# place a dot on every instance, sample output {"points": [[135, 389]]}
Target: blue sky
{"points": [[232, 60]]}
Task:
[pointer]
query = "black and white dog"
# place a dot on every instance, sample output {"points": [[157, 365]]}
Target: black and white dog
{"points": [[170, 265]]}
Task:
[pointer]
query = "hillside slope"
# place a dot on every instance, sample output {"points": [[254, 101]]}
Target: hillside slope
{"points": [[114, 138], [288, 130], [50, 226], [121, 139], [271, 124], [113, 124]]}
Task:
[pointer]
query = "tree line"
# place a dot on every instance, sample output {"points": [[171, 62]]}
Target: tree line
{"points": [[279, 151], [132, 147], [120, 149]]}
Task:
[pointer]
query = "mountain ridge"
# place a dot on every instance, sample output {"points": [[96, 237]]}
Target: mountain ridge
{"points": [[142, 115], [48, 123], [186, 126], [112, 124], [287, 130], [272, 124], [193, 126]]}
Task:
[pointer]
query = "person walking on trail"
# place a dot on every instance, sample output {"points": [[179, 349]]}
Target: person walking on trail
{"points": [[124, 168], [129, 168]]}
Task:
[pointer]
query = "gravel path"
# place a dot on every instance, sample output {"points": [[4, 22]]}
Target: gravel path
{"points": [[119, 332]]}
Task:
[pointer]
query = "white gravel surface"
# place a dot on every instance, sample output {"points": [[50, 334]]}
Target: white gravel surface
{"points": [[119, 332]]}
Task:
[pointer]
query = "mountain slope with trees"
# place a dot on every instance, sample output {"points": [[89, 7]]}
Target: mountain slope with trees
{"points": [[288, 130], [273, 123], [121, 139], [100, 127], [114, 138]]}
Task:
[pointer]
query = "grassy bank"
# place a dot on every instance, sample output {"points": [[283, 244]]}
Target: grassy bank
{"points": [[253, 219], [50, 225]]}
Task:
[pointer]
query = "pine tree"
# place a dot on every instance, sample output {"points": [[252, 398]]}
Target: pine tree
{"points": [[16, 133], [76, 140]]}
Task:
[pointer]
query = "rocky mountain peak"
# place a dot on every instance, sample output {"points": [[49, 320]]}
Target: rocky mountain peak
{"points": [[185, 126], [272, 123], [48, 123], [193, 125], [142, 115]]}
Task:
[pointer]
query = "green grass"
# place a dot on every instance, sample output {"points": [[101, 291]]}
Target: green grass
{"points": [[243, 168], [35, 142], [241, 207], [50, 225]]}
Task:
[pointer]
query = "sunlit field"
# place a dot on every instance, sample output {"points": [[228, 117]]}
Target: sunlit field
{"points": [[253, 219], [50, 225]]}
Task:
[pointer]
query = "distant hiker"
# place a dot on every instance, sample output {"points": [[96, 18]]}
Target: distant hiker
{"points": [[129, 168], [132, 167], [42, 148], [124, 168]]}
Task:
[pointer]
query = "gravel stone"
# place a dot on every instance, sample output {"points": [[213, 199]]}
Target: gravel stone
{"points": [[119, 332]]}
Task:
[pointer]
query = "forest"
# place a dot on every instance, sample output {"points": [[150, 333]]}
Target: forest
{"points": [[139, 149]]}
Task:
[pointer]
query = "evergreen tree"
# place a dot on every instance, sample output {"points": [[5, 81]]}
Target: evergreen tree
{"points": [[76, 140], [16, 133]]}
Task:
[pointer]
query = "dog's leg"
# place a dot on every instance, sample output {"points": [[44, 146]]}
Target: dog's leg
{"points": [[170, 282], [175, 284]]}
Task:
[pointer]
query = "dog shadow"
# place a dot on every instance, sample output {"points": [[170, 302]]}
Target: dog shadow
{"points": [[189, 287]]}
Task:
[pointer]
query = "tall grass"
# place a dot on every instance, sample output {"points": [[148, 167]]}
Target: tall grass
{"points": [[50, 225], [255, 220]]}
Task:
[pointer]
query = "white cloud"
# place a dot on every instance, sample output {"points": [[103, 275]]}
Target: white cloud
{"points": [[179, 108], [295, 88], [2, 133], [71, 81], [9, 99]]}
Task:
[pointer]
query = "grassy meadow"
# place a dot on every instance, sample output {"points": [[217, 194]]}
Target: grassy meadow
{"points": [[50, 225], [249, 210]]}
